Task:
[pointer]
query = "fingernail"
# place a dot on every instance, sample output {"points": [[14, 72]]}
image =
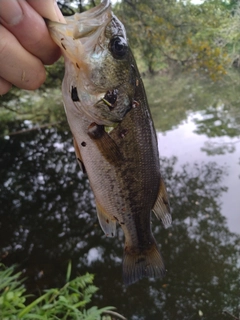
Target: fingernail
{"points": [[58, 13], [10, 12]]}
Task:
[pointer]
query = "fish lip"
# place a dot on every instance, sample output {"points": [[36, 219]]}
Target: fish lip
{"points": [[82, 33], [90, 21], [84, 45], [81, 24], [57, 30], [93, 12]]}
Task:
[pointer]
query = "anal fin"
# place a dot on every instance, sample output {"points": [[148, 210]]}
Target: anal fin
{"points": [[161, 207], [107, 224]]}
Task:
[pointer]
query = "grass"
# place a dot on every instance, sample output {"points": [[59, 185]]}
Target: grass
{"points": [[68, 302]]}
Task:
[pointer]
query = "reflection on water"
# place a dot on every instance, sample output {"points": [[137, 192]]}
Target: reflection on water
{"points": [[190, 147], [47, 217]]}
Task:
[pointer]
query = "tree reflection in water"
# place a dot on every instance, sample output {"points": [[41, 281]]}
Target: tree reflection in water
{"points": [[47, 217]]}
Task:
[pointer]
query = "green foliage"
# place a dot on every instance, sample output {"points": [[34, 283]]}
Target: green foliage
{"points": [[55, 75], [69, 302], [215, 103], [35, 109], [12, 293], [180, 34]]}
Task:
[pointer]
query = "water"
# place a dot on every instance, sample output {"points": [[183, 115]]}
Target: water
{"points": [[47, 213], [192, 148]]}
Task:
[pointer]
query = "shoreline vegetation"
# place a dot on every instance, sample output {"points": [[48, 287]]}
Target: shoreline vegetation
{"points": [[178, 94], [68, 302]]}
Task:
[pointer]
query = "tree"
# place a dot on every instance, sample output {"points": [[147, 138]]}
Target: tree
{"points": [[179, 33]]}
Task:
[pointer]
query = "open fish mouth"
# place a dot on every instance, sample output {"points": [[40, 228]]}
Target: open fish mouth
{"points": [[94, 45], [83, 32]]}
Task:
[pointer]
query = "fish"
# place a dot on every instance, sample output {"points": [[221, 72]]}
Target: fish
{"points": [[113, 134]]}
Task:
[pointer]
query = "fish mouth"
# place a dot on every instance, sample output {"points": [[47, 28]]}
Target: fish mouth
{"points": [[83, 32], [84, 41]]}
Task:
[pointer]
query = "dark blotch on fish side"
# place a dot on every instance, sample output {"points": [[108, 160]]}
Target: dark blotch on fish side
{"points": [[74, 94], [83, 144], [95, 131]]}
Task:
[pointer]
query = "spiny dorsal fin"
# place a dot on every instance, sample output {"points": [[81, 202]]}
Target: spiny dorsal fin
{"points": [[161, 207], [107, 224]]}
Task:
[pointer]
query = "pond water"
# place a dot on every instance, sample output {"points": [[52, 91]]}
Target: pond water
{"points": [[192, 148], [47, 213]]}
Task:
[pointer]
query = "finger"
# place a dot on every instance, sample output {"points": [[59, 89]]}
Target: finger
{"points": [[5, 86], [47, 9], [17, 65], [29, 28]]}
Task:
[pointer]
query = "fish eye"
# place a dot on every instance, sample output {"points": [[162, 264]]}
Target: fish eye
{"points": [[118, 47]]}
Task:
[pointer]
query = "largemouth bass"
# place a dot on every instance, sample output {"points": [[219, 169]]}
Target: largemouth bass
{"points": [[114, 135]]}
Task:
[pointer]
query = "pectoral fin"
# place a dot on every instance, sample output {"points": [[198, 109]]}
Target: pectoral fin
{"points": [[107, 224], [106, 145], [78, 155], [161, 207]]}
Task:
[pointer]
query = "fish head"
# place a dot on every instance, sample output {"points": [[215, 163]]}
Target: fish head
{"points": [[96, 52]]}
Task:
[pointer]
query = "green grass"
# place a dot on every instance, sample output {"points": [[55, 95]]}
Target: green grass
{"points": [[67, 303]]}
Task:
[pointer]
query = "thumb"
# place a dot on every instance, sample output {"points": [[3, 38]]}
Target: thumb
{"points": [[47, 9]]}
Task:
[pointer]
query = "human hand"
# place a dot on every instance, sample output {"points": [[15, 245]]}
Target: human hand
{"points": [[25, 43]]}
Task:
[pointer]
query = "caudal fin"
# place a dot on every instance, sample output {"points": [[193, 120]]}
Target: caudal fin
{"points": [[146, 263]]}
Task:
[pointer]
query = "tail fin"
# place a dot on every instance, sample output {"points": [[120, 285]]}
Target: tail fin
{"points": [[146, 263]]}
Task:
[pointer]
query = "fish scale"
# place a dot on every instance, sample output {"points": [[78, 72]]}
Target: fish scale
{"points": [[102, 88]]}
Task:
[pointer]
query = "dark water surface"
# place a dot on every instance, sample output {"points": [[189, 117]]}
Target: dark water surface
{"points": [[47, 213]]}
